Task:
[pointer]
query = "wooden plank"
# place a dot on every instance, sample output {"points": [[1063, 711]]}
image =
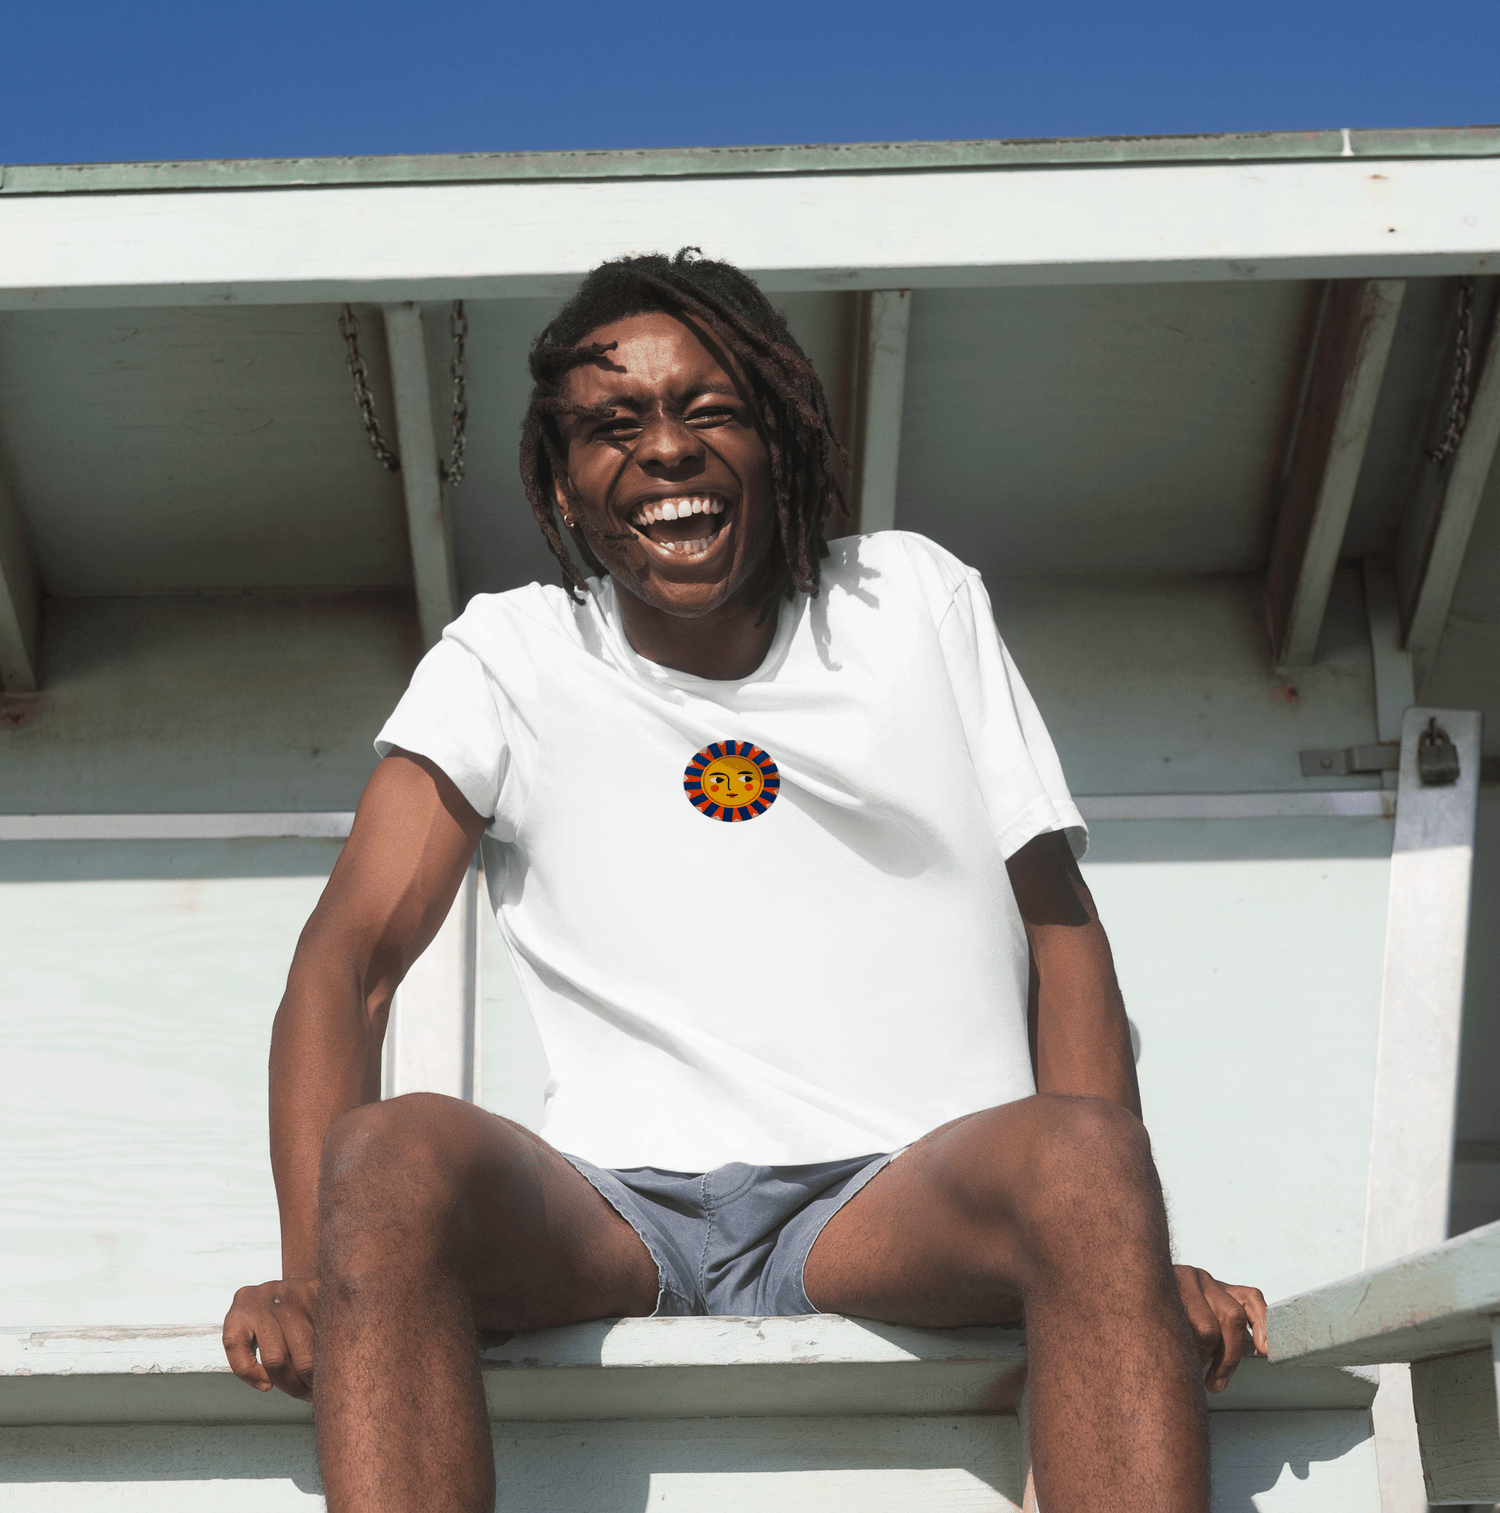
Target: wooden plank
{"points": [[1458, 1427], [968, 1465], [1395, 690], [877, 231], [1416, 1075], [426, 518], [1292, 1462], [624, 1368], [1447, 539], [701, 162], [137, 990], [1332, 428], [20, 596], [879, 397], [312, 825], [1436, 1302], [1351, 803]]}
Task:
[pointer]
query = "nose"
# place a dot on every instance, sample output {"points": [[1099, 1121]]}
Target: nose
{"points": [[666, 445]]}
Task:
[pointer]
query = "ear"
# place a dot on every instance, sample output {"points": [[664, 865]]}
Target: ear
{"points": [[560, 494]]}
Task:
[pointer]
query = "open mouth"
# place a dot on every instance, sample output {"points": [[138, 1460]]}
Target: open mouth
{"points": [[686, 526]]}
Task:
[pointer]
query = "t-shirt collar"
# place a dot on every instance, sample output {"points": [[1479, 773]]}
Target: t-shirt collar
{"points": [[604, 602]]}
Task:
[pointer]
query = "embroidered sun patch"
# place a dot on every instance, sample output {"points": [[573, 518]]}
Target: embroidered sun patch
{"points": [[731, 780]]}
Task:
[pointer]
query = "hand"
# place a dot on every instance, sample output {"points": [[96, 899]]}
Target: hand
{"points": [[1219, 1315], [278, 1319]]}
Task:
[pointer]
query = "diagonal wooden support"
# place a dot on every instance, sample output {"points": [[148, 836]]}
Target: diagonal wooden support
{"points": [[1416, 1069], [20, 596], [1326, 449], [426, 518], [1444, 530], [879, 397]]}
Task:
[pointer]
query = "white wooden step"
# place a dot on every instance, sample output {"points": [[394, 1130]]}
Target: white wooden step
{"points": [[621, 1416]]}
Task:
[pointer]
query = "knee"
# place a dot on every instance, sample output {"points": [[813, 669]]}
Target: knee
{"points": [[392, 1167], [1089, 1173], [1090, 1135]]}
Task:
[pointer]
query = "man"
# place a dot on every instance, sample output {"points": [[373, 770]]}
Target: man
{"points": [[785, 862]]}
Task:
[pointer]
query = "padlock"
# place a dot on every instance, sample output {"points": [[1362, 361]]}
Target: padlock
{"points": [[1437, 757]]}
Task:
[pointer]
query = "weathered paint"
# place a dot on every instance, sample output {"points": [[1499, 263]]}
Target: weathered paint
{"points": [[197, 449], [1383, 218], [1436, 1302], [1304, 1461], [137, 985], [699, 162], [204, 703]]}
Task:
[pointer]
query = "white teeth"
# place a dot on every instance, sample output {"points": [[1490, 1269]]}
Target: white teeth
{"points": [[676, 509]]}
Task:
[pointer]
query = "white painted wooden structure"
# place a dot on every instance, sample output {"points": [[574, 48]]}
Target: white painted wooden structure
{"points": [[1173, 399], [702, 1414], [1438, 1310]]}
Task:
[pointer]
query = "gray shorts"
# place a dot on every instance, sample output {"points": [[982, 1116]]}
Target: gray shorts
{"points": [[733, 1240]]}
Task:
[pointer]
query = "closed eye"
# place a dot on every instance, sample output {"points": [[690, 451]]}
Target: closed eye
{"points": [[715, 415]]}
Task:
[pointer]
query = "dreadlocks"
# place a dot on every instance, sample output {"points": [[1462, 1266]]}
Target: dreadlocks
{"points": [[785, 393]]}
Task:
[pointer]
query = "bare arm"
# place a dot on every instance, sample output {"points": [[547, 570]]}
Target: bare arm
{"points": [[1080, 1045], [1080, 1037], [390, 890]]}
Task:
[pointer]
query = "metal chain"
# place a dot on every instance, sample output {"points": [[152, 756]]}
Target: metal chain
{"points": [[1463, 362], [349, 330], [458, 369]]}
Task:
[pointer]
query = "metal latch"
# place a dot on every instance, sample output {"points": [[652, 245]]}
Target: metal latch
{"points": [[1342, 761], [1437, 757]]}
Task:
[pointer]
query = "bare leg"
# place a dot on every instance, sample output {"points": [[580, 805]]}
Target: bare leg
{"points": [[435, 1217], [1052, 1205]]}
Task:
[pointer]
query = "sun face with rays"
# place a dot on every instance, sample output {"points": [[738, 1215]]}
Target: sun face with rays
{"points": [[731, 780]]}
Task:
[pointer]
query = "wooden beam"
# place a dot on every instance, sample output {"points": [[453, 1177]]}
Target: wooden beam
{"points": [[1416, 1063], [1395, 691], [1416, 1071], [20, 596], [1434, 1302], [426, 518], [1439, 555], [973, 228], [1330, 430], [879, 397]]}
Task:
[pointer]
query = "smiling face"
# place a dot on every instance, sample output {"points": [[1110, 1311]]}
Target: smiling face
{"points": [[732, 781], [677, 470]]}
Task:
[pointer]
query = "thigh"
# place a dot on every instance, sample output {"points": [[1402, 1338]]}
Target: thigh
{"points": [[533, 1242], [940, 1236]]}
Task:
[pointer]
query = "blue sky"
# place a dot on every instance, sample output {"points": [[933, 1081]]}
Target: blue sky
{"points": [[85, 81]]}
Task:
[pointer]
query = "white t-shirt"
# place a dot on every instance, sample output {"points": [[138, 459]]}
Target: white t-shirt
{"points": [[836, 972]]}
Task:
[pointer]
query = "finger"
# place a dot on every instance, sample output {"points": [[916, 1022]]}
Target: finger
{"points": [[239, 1349], [1253, 1301], [1232, 1336], [299, 1332], [276, 1357], [1207, 1335]]}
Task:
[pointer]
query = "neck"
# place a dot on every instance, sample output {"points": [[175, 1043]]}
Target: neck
{"points": [[723, 643]]}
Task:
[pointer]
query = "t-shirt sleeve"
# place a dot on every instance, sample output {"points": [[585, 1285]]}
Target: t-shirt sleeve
{"points": [[451, 713], [1018, 769]]}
